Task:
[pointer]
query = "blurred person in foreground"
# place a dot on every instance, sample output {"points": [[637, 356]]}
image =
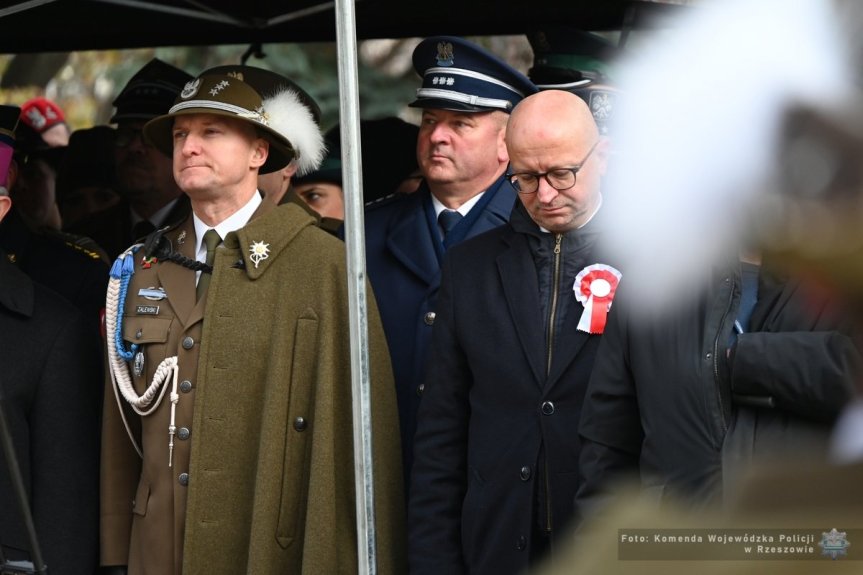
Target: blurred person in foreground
{"points": [[796, 176], [49, 359], [519, 319], [466, 97], [240, 308], [150, 198]]}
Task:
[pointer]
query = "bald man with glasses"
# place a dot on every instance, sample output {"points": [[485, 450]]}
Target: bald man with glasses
{"points": [[520, 315]]}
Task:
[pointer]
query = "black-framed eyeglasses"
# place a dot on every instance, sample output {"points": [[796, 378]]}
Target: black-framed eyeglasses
{"points": [[559, 178]]}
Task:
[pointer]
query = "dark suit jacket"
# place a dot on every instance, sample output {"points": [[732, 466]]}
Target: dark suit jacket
{"points": [[490, 409], [403, 253], [74, 272], [48, 366]]}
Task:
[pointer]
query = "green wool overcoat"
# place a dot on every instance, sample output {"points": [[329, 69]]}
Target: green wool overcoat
{"points": [[261, 477]]}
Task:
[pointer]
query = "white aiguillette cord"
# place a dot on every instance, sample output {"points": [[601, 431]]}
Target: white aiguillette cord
{"points": [[146, 403]]}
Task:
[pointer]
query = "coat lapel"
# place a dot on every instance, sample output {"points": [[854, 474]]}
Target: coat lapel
{"points": [[522, 298], [570, 340], [411, 242], [178, 281]]}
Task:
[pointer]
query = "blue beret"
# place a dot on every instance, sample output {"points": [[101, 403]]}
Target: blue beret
{"points": [[459, 75]]}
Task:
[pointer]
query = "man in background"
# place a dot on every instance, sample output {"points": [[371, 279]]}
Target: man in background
{"points": [[150, 198], [566, 58], [466, 96]]}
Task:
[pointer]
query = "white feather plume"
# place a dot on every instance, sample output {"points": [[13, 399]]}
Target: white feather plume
{"points": [[292, 119], [697, 132]]}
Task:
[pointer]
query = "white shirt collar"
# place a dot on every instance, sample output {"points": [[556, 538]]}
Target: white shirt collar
{"points": [[236, 221], [462, 209]]}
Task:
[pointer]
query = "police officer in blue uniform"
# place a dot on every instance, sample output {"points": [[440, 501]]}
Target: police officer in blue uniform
{"points": [[466, 97], [149, 196]]}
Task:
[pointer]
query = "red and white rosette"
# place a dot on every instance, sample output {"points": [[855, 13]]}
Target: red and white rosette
{"points": [[594, 288]]}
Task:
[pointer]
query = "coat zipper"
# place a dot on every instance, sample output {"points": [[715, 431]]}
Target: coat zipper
{"points": [[716, 374], [552, 312], [552, 309]]}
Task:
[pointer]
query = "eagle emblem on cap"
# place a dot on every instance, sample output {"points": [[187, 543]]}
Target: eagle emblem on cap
{"points": [[601, 104], [190, 89], [444, 54]]}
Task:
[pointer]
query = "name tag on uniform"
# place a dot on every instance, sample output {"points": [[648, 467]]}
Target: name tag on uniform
{"points": [[147, 310]]}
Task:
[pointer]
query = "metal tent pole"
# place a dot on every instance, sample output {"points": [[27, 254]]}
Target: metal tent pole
{"points": [[349, 120]]}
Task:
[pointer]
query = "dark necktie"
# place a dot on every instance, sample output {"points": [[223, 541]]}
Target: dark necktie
{"points": [[448, 220], [142, 229], [211, 240]]}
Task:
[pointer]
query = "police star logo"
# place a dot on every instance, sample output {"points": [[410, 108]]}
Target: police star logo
{"points": [[834, 543], [260, 251]]}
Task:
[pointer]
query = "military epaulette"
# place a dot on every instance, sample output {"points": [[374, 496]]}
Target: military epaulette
{"points": [[81, 244], [385, 200], [87, 252]]}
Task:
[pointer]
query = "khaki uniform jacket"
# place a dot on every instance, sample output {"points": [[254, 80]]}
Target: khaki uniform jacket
{"points": [[270, 488]]}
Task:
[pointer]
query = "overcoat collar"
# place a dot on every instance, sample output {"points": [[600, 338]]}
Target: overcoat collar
{"points": [[179, 281], [414, 240], [265, 236]]}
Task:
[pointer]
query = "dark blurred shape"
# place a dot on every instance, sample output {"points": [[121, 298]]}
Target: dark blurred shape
{"points": [[810, 223], [150, 92], [389, 154], [34, 190], [566, 58], [8, 121], [29, 144], [86, 181]]}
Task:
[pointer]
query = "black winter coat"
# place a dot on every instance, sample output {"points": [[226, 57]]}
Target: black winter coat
{"points": [[679, 402], [496, 448], [49, 370]]}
